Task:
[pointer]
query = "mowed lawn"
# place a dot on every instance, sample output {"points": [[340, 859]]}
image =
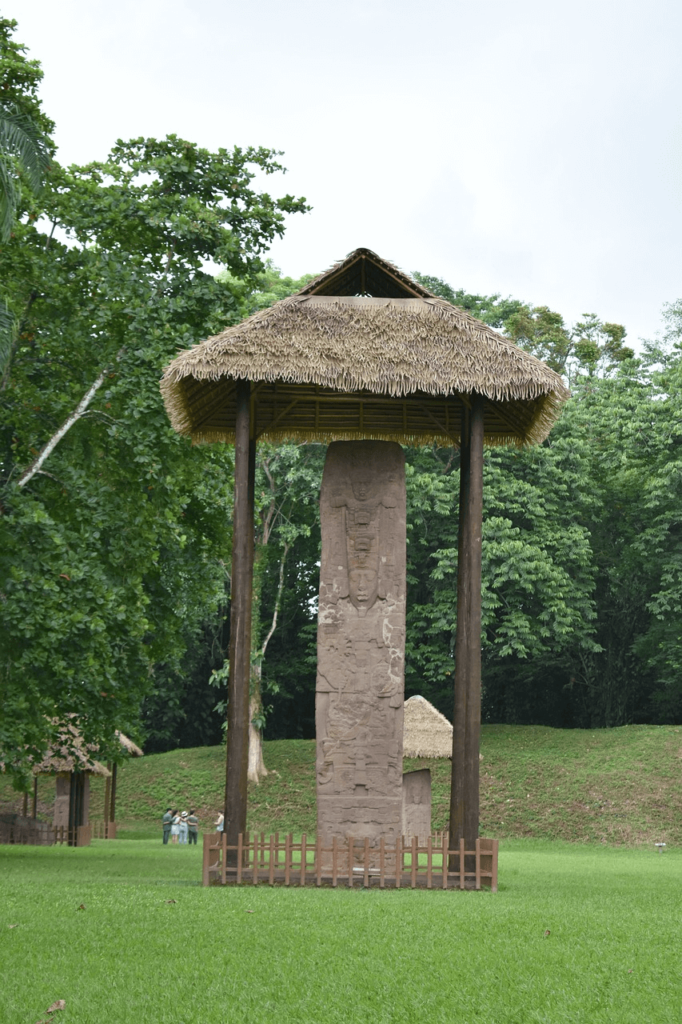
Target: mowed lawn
{"points": [[583, 934]]}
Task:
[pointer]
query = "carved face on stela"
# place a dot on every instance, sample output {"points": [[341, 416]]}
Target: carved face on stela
{"points": [[363, 571]]}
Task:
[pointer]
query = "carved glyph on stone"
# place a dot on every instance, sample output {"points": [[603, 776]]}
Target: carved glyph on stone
{"points": [[361, 642]]}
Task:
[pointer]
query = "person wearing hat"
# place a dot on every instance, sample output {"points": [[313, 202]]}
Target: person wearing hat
{"points": [[167, 821], [183, 827], [192, 828]]}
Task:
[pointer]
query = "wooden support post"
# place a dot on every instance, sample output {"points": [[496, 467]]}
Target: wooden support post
{"points": [[461, 641], [466, 732], [112, 798], [34, 813], [107, 801], [240, 620], [206, 857], [473, 711]]}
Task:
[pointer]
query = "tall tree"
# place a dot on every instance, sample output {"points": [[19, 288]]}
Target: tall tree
{"points": [[114, 531]]}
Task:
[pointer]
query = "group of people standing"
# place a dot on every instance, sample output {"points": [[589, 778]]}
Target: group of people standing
{"points": [[180, 827]]}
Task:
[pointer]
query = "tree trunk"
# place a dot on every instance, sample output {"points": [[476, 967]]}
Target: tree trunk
{"points": [[257, 769]]}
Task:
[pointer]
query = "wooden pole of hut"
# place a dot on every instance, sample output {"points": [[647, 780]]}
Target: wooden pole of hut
{"points": [[107, 801], [240, 618], [112, 794], [35, 797]]}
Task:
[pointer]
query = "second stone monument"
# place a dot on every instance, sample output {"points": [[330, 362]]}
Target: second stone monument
{"points": [[361, 642]]}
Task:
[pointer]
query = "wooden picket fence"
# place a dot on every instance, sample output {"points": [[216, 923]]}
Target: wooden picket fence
{"points": [[48, 835], [103, 829], [81, 835], [407, 863]]}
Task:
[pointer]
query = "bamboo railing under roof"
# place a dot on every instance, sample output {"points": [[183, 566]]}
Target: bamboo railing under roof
{"points": [[362, 351]]}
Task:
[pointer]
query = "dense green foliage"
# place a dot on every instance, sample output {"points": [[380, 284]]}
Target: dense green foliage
{"points": [[114, 531], [573, 935], [115, 534]]}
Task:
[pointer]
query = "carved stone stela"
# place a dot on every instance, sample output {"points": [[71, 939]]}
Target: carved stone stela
{"points": [[361, 642]]}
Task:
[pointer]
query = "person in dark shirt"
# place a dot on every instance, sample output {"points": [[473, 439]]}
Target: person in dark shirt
{"points": [[167, 821], [192, 828]]}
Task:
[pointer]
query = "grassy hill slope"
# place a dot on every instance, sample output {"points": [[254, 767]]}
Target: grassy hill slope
{"points": [[621, 786]]}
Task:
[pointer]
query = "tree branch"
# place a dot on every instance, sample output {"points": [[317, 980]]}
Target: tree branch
{"points": [[77, 414], [278, 601]]}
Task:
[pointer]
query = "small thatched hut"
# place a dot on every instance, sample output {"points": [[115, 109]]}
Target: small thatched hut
{"points": [[426, 733], [72, 762]]}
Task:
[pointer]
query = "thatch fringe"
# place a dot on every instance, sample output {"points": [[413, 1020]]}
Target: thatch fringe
{"points": [[298, 436], [390, 347], [426, 733]]}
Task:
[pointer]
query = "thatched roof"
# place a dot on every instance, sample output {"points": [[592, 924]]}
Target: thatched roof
{"points": [[426, 733], [128, 745], [335, 361], [69, 754]]}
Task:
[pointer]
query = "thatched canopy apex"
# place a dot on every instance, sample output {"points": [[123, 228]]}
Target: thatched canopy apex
{"points": [[362, 351], [365, 273], [426, 733]]}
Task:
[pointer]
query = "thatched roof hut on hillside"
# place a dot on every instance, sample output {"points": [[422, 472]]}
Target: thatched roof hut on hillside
{"points": [[363, 352], [426, 733], [73, 762]]}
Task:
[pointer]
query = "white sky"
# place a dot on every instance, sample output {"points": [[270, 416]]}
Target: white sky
{"points": [[528, 147]]}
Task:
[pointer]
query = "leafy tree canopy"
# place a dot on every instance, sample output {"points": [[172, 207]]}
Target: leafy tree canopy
{"points": [[114, 532]]}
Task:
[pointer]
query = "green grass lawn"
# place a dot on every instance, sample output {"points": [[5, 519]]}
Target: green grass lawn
{"points": [[153, 947], [616, 786]]}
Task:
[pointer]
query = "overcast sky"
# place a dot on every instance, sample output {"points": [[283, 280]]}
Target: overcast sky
{"points": [[528, 147]]}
